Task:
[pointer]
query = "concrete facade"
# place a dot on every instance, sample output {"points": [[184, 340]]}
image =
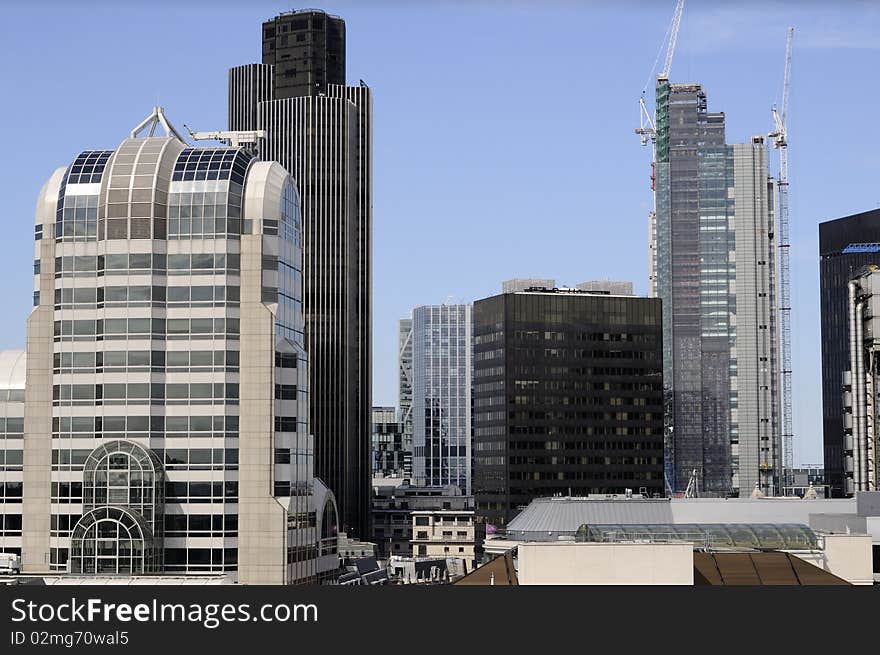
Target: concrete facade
{"points": [[756, 453], [393, 505], [605, 564], [165, 386], [445, 533]]}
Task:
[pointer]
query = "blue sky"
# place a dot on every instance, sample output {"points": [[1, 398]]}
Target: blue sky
{"points": [[503, 131]]}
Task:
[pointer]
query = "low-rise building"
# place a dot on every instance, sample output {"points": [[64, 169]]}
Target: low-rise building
{"points": [[392, 509], [838, 536], [447, 533], [352, 549]]}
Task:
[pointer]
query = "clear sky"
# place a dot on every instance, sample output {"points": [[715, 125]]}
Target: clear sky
{"points": [[503, 131]]}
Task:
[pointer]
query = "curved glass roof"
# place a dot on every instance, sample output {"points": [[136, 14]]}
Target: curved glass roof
{"points": [[765, 536], [211, 164], [88, 167]]}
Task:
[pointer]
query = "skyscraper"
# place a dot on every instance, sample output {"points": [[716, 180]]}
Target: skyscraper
{"points": [[166, 391], [713, 265], [321, 131], [568, 397], [845, 245], [441, 412]]}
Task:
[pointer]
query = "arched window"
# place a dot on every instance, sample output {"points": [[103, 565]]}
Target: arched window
{"points": [[329, 543], [111, 541], [124, 474], [291, 222], [329, 522]]}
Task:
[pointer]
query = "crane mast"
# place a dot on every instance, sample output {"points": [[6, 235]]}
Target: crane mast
{"points": [[646, 129], [780, 142], [673, 37]]}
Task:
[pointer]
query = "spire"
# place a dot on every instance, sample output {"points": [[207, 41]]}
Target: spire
{"points": [[156, 118]]}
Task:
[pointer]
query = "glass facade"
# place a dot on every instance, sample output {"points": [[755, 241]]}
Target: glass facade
{"points": [[707, 195], [763, 536], [389, 456], [113, 541], [205, 193], [441, 410], [568, 398], [307, 49]]}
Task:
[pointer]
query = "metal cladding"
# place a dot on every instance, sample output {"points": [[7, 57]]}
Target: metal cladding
{"points": [[860, 382]]}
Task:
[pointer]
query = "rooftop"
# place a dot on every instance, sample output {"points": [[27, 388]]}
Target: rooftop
{"points": [[551, 517]]}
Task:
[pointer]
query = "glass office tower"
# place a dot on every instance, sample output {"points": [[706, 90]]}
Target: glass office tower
{"points": [[321, 131], [712, 259], [165, 414], [568, 397], [441, 395]]}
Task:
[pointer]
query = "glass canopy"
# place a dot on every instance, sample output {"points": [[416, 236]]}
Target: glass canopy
{"points": [[764, 536]]}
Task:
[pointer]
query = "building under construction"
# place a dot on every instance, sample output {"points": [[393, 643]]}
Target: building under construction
{"points": [[713, 243], [712, 260]]}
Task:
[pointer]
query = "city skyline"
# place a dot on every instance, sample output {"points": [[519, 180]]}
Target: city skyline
{"points": [[742, 72]]}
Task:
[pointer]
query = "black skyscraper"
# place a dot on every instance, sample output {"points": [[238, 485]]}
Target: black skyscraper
{"points": [[845, 245], [307, 50], [568, 397], [321, 131]]}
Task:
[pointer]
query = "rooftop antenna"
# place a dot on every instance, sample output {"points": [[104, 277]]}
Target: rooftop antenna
{"points": [[156, 118]]}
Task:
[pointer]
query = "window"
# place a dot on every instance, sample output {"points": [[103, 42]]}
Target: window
{"points": [[112, 540]]}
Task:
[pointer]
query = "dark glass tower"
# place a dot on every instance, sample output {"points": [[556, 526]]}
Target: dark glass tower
{"points": [[845, 245], [568, 397], [307, 50], [321, 131]]}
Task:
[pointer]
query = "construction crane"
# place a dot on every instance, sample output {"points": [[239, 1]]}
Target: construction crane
{"points": [[646, 129], [673, 37], [780, 142]]}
